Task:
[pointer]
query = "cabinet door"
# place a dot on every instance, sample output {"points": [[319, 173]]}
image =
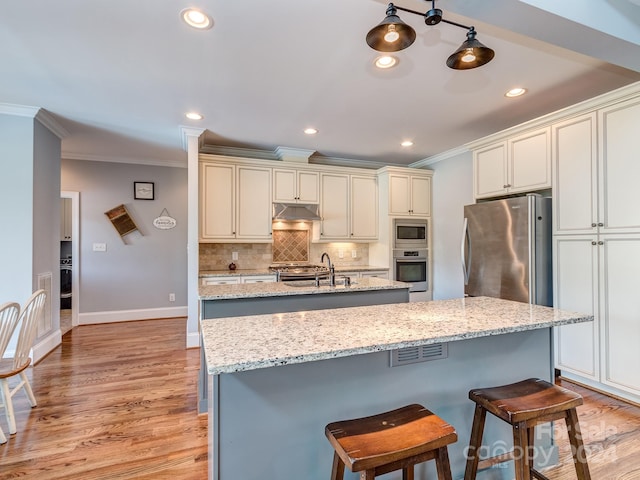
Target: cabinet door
{"points": [[576, 288], [420, 196], [364, 208], [620, 312], [575, 173], [254, 203], [284, 185], [619, 129], [334, 205], [217, 201], [529, 166], [399, 200], [220, 281], [65, 219], [490, 171], [259, 279], [308, 191], [380, 274]]}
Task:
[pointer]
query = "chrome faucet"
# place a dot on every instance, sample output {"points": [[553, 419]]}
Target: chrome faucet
{"points": [[332, 270]]}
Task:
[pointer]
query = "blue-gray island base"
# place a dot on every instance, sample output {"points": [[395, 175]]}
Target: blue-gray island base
{"points": [[334, 364]]}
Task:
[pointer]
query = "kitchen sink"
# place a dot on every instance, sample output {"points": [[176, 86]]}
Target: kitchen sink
{"points": [[312, 283]]}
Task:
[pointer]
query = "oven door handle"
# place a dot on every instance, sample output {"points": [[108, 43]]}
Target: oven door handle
{"points": [[465, 253]]}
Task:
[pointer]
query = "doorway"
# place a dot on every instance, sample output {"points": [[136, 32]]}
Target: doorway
{"points": [[69, 259]]}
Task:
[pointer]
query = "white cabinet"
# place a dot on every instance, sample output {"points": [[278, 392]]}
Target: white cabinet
{"points": [[348, 207], [295, 186], [258, 278], [409, 195], [376, 274], [519, 164], [65, 219], [226, 280], [235, 203]]}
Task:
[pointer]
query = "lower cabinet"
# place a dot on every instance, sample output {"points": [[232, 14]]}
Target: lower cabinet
{"points": [[597, 274], [236, 279]]}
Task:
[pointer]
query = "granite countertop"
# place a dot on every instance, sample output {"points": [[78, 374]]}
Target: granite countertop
{"points": [[238, 344], [265, 271], [279, 289]]}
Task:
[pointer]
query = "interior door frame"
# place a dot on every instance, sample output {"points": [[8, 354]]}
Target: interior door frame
{"points": [[75, 253]]}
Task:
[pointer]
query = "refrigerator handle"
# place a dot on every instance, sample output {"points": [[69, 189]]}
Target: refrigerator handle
{"points": [[465, 254]]}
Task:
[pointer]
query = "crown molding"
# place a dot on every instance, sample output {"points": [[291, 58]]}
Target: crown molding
{"points": [[295, 155], [18, 110], [130, 160], [346, 162], [239, 152], [186, 132], [454, 152], [46, 119]]}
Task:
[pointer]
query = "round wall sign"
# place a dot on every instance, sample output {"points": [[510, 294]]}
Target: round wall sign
{"points": [[164, 221]]}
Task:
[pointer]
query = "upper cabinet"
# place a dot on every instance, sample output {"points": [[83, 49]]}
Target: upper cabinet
{"points": [[348, 207], [235, 203], [407, 191], [295, 186], [519, 164], [596, 172]]}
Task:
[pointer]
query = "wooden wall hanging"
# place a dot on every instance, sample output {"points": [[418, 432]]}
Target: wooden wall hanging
{"points": [[121, 220]]}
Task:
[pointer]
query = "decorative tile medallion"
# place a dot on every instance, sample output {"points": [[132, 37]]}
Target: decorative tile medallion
{"points": [[290, 246]]}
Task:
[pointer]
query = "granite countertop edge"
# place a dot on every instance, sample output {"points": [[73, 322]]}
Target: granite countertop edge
{"points": [[265, 271], [415, 325]]}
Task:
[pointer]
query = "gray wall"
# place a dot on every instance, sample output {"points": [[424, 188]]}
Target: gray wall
{"points": [[139, 271], [452, 190]]}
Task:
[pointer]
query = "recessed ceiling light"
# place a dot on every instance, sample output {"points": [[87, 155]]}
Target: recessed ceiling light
{"points": [[193, 116], [386, 61], [196, 18], [407, 143], [310, 131], [515, 92]]}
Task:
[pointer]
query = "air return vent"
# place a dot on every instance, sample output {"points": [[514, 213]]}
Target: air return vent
{"points": [[423, 353]]}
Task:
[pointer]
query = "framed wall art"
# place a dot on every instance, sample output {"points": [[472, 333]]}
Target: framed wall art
{"points": [[143, 190]]}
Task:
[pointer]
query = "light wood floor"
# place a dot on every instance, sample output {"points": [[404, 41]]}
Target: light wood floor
{"points": [[118, 401], [115, 401]]}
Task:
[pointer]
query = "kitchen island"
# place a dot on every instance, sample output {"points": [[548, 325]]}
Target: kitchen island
{"points": [[278, 379]]}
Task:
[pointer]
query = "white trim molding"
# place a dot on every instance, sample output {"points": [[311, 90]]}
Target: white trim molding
{"points": [[46, 345], [94, 318]]}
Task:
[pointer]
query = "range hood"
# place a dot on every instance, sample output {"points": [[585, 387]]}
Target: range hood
{"points": [[295, 211]]}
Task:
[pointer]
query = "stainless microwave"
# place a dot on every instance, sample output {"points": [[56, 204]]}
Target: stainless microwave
{"points": [[411, 233]]}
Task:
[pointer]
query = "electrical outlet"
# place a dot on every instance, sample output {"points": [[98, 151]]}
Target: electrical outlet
{"points": [[172, 297], [354, 254], [340, 254], [99, 247], [234, 255]]}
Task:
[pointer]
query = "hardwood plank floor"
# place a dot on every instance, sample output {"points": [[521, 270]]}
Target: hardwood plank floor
{"points": [[118, 401], [115, 401]]}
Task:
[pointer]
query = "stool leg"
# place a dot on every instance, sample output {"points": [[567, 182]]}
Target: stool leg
{"points": [[442, 464], [521, 451], [531, 439], [577, 447], [337, 471], [407, 473], [474, 443], [368, 474]]}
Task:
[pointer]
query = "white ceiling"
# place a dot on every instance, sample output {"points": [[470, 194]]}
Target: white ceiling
{"points": [[119, 75]]}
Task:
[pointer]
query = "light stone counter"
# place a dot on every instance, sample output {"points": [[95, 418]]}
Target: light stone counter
{"points": [[279, 289], [247, 343]]}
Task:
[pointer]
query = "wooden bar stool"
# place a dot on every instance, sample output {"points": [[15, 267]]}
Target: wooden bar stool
{"points": [[390, 441], [524, 405]]}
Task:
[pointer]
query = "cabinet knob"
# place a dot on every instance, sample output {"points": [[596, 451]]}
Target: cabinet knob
{"points": [[506, 186], [600, 242], [594, 224], [601, 224], [593, 242]]}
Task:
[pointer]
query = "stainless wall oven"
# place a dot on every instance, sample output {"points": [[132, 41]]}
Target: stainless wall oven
{"points": [[410, 266]]}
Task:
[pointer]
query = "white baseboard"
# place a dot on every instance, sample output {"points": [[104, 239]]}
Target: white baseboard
{"points": [[45, 345], [93, 318], [193, 339]]}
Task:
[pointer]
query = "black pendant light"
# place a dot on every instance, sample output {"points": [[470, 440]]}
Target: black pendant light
{"points": [[393, 35], [471, 53]]}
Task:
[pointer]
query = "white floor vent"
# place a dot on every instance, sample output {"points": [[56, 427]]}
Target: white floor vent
{"points": [[44, 283], [423, 353]]}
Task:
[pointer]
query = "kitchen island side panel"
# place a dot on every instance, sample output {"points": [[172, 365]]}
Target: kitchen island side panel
{"points": [[272, 420]]}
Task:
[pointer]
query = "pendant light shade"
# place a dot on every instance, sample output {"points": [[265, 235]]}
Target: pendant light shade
{"points": [[470, 54], [392, 34]]}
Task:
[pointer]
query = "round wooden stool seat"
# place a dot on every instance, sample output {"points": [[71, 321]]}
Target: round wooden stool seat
{"points": [[524, 405], [390, 441]]}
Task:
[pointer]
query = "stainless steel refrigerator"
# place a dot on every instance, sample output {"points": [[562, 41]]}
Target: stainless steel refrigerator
{"points": [[506, 249]]}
